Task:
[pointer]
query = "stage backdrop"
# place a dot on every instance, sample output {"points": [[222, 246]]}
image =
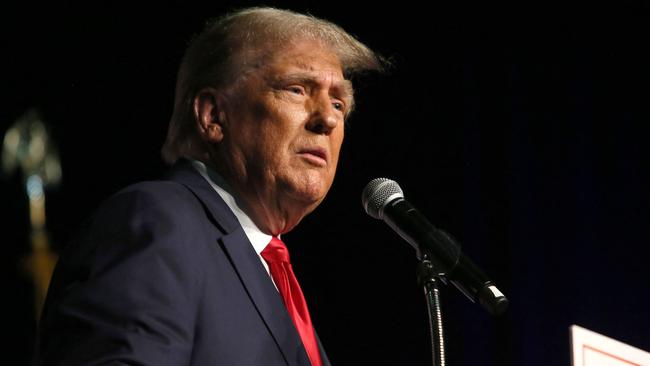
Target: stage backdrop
{"points": [[522, 131]]}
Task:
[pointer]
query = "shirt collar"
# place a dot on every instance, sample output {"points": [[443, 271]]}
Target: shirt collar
{"points": [[258, 239]]}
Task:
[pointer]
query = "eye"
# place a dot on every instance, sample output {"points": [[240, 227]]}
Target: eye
{"points": [[338, 105], [296, 89]]}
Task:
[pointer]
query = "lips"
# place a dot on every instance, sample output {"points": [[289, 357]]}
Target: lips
{"points": [[317, 155]]}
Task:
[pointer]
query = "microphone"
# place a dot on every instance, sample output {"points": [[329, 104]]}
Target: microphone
{"points": [[384, 200]]}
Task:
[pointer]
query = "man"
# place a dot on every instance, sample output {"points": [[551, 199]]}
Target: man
{"points": [[190, 270]]}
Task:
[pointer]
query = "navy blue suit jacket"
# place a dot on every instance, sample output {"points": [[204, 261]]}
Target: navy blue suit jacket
{"points": [[164, 275]]}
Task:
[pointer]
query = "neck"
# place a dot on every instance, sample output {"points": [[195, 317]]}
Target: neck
{"points": [[270, 213]]}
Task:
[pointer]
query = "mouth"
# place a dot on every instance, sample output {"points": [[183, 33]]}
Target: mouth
{"points": [[316, 156]]}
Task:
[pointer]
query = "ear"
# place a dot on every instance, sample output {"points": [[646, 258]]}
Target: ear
{"points": [[209, 114]]}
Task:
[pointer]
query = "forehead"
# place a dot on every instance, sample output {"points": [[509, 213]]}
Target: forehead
{"points": [[305, 56], [307, 60]]}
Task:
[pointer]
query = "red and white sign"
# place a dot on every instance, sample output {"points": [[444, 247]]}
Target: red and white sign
{"points": [[593, 349]]}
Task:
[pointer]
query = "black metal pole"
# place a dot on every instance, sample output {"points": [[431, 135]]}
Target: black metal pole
{"points": [[427, 278]]}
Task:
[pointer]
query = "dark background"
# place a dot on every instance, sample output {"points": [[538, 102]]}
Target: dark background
{"points": [[522, 131]]}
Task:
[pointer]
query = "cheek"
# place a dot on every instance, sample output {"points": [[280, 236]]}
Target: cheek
{"points": [[337, 141], [285, 129], [265, 133]]}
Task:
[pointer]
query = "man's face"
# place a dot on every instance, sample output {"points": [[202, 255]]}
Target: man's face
{"points": [[284, 129]]}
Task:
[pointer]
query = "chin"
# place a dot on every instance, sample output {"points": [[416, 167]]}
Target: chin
{"points": [[310, 191], [311, 197]]}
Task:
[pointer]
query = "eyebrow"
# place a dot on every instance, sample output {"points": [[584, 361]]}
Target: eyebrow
{"points": [[343, 88]]}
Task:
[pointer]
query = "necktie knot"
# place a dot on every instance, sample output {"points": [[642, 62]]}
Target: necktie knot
{"points": [[276, 251]]}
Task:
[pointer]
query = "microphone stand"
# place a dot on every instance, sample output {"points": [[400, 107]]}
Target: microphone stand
{"points": [[427, 279]]}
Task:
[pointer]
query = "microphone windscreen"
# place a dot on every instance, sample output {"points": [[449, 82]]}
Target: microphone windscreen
{"points": [[377, 194]]}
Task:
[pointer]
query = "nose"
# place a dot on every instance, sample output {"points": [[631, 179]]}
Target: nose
{"points": [[324, 117]]}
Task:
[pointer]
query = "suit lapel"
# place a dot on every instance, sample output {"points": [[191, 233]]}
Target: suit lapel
{"points": [[266, 298], [246, 262], [323, 355]]}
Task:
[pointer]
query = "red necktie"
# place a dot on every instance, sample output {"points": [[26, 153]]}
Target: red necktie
{"points": [[277, 257]]}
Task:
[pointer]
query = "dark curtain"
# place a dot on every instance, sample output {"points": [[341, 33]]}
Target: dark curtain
{"points": [[521, 131]]}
